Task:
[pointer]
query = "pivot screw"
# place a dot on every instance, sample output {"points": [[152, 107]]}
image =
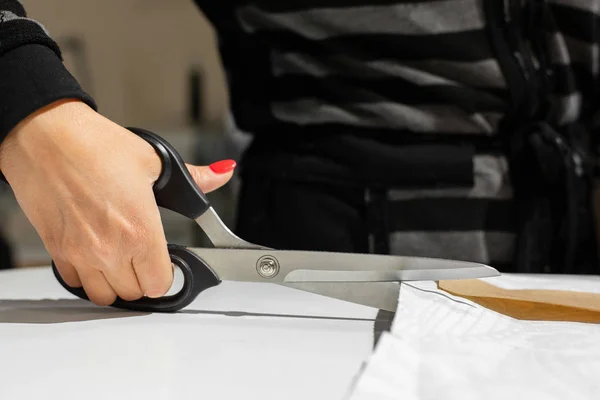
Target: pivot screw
{"points": [[267, 267]]}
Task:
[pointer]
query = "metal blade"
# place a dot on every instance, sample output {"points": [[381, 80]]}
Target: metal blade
{"points": [[381, 295], [311, 266], [368, 279], [219, 234], [259, 265]]}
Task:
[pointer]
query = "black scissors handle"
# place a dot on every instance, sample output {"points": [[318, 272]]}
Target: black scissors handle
{"points": [[176, 190], [198, 277]]}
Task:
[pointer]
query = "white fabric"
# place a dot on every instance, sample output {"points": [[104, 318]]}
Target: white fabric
{"points": [[446, 347], [236, 341]]}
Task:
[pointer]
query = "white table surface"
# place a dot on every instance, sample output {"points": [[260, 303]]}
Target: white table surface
{"points": [[236, 341]]}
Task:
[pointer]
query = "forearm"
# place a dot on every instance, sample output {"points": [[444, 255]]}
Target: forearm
{"points": [[32, 74]]}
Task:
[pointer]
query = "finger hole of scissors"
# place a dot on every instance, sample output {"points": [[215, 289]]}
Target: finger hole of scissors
{"points": [[178, 280]]}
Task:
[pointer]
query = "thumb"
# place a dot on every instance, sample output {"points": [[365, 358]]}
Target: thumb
{"points": [[212, 177]]}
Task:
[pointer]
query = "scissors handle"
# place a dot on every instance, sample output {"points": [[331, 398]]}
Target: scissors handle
{"points": [[197, 277], [175, 190]]}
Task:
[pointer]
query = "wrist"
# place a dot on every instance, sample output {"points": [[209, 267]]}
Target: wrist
{"points": [[37, 134]]}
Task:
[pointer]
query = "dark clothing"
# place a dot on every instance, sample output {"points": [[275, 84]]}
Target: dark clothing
{"points": [[31, 72], [425, 110], [282, 212], [284, 208], [6, 257], [437, 195]]}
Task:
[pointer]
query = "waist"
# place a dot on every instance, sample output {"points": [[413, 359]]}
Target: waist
{"points": [[367, 156], [313, 137]]}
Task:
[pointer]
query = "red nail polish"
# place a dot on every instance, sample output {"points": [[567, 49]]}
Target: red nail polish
{"points": [[223, 166]]}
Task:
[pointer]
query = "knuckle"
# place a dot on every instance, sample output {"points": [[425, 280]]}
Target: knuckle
{"points": [[52, 245], [72, 250], [89, 251], [67, 272], [134, 234], [50, 242], [101, 249], [131, 294]]}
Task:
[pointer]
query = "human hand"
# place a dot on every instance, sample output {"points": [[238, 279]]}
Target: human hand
{"points": [[85, 184]]}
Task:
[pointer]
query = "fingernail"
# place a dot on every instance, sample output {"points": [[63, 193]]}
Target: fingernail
{"points": [[223, 166]]}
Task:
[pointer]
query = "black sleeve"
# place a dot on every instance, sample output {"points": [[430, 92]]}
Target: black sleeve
{"points": [[32, 74]]}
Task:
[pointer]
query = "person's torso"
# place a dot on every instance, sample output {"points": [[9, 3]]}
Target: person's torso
{"points": [[400, 66], [388, 93]]}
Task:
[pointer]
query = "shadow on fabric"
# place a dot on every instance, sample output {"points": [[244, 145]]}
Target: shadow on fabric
{"points": [[57, 311], [74, 310]]}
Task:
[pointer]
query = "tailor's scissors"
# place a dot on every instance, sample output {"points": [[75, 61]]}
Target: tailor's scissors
{"points": [[359, 278]]}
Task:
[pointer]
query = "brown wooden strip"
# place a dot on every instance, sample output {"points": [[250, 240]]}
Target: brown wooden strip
{"points": [[535, 305]]}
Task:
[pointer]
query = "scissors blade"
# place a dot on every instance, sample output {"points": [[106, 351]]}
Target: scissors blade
{"points": [[291, 266], [381, 295], [367, 279]]}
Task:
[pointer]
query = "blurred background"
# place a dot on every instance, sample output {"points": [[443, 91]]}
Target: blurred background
{"points": [[153, 64]]}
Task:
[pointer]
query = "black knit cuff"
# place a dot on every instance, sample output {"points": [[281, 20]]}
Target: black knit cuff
{"points": [[32, 77]]}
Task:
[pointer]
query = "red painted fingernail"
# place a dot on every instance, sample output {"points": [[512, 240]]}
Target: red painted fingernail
{"points": [[223, 166]]}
